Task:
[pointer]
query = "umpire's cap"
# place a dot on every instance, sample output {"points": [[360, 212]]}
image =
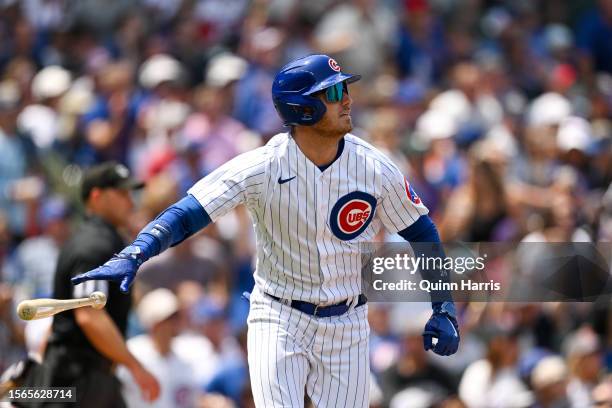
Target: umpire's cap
{"points": [[108, 175], [294, 85]]}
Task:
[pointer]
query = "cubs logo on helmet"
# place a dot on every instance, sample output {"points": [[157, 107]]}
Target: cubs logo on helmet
{"points": [[334, 65], [410, 193], [352, 214]]}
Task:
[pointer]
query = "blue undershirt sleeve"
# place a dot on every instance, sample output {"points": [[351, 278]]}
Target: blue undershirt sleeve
{"points": [[423, 230], [175, 224]]}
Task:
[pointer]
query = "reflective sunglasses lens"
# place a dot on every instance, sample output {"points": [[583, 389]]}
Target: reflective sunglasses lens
{"points": [[334, 93]]}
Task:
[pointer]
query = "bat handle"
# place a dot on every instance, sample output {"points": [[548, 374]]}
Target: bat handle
{"points": [[98, 300]]}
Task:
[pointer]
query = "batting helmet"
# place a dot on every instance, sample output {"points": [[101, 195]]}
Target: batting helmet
{"points": [[298, 80]]}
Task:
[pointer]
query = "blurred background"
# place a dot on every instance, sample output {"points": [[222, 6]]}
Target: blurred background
{"points": [[498, 112]]}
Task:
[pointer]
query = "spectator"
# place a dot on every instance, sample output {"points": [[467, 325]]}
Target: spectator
{"points": [[494, 381], [473, 108], [584, 363], [549, 382], [414, 369], [109, 124], [602, 393], [231, 379], [481, 207], [45, 15], [358, 33], [41, 121], [158, 312], [211, 130], [593, 29], [11, 332], [101, 20], [384, 345], [209, 346], [421, 48], [36, 257], [442, 166], [218, 20], [253, 105], [13, 159], [163, 110]]}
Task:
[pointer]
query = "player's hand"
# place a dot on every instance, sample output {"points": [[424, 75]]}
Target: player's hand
{"points": [[443, 326], [149, 387], [120, 268]]}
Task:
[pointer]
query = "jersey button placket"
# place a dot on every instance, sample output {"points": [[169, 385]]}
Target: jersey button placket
{"points": [[321, 214]]}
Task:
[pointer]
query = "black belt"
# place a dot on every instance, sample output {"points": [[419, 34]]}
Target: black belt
{"points": [[322, 311]]}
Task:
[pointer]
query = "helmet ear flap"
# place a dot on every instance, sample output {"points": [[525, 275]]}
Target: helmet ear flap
{"points": [[298, 109]]}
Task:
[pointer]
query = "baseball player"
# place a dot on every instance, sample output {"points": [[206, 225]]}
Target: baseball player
{"points": [[315, 193]]}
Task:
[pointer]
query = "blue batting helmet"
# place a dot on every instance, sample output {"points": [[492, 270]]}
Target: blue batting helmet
{"points": [[298, 80]]}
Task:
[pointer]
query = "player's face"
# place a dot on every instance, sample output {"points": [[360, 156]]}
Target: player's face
{"points": [[118, 205], [337, 119]]}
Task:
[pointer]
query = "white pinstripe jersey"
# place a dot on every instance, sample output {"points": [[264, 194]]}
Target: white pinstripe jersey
{"points": [[309, 222]]}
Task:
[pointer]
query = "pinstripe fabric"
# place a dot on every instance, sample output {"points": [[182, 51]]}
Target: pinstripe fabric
{"points": [[302, 254], [291, 353], [298, 254]]}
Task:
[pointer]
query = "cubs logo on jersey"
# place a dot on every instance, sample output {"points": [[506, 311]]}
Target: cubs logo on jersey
{"points": [[412, 196], [352, 214]]}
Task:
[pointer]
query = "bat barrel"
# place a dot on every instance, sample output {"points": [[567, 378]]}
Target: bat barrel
{"points": [[39, 308], [26, 311]]}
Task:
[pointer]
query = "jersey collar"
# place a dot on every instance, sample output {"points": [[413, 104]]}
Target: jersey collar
{"points": [[341, 145]]}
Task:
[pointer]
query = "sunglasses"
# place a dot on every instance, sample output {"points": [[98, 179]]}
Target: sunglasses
{"points": [[335, 92]]}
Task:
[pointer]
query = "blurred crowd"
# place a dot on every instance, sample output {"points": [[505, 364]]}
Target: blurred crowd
{"points": [[498, 112]]}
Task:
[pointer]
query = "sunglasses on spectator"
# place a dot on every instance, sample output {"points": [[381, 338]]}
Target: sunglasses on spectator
{"points": [[335, 92]]}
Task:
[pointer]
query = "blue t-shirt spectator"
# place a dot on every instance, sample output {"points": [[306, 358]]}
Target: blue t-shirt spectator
{"points": [[594, 36]]}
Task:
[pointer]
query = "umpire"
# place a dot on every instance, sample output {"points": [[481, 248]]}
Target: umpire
{"points": [[85, 343]]}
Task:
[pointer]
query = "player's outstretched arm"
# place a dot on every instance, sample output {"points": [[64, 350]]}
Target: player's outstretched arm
{"points": [[171, 227], [443, 323]]}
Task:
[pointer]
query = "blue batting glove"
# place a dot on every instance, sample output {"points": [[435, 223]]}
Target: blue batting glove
{"points": [[120, 268], [443, 326]]}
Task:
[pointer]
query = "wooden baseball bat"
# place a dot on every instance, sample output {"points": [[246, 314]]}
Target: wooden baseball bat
{"points": [[40, 308]]}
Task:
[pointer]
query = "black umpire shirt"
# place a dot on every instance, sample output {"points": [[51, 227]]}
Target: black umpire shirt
{"points": [[94, 243]]}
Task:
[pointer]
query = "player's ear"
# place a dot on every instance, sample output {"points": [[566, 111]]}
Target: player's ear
{"points": [[94, 194]]}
